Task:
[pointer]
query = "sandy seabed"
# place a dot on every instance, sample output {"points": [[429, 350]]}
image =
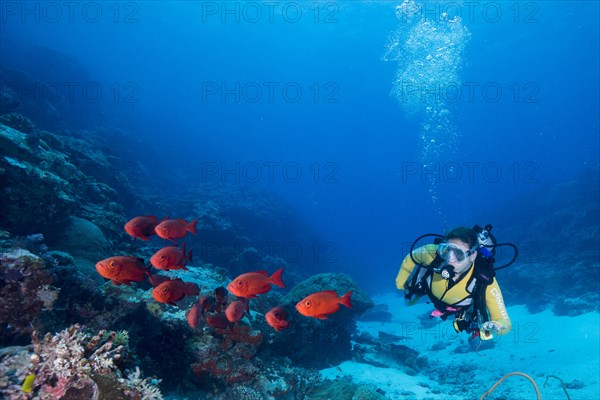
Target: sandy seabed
{"points": [[538, 345]]}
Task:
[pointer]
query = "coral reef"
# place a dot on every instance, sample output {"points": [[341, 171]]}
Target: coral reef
{"points": [[73, 364], [49, 178], [26, 290], [74, 188], [82, 239], [15, 363], [18, 122]]}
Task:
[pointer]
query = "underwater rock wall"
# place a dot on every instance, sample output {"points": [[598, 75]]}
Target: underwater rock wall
{"points": [[556, 229], [45, 183]]}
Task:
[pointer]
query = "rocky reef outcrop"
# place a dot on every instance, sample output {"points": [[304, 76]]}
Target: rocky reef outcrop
{"points": [[330, 338], [558, 236]]}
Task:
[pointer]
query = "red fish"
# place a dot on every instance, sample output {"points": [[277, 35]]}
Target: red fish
{"points": [[141, 227], [321, 304], [157, 279], [217, 320], [203, 305], [171, 257], [235, 310], [123, 270], [277, 318], [174, 290], [250, 284], [193, 315], [206, 304], [172, 229]]}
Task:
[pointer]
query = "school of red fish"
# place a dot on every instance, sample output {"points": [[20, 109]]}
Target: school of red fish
{"points": [[217, 310]]}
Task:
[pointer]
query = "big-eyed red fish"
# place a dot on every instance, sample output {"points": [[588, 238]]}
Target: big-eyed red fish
{"points": [[193, 315], [217, 320], [277, 318], [320, 304], [204, 305], [174, 290], [171, 257], [250, 284], [172, 229], [235, 310], [143, 226], [122, 270]]}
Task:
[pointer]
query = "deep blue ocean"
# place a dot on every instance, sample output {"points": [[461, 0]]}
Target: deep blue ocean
{"points": [[374, 122], [298, 97]]}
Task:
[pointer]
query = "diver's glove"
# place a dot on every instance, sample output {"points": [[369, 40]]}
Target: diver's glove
{"points": [[492, 326]]}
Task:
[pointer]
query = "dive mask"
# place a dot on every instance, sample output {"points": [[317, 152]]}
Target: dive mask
{"points": [[445, 249]]}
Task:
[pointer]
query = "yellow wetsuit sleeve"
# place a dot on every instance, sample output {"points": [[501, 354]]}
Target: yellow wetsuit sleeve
{"points": [[496, 308], [423, 255]]}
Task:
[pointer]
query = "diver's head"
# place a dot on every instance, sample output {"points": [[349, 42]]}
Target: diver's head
{"points": [[459, 251]]}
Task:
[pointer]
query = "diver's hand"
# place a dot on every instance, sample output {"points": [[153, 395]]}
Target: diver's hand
{"points": [[492, 327]]}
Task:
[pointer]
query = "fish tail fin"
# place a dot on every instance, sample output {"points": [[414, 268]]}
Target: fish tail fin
{"points": [[191, 227], [157, 279], [345, 299], [275, 279]]}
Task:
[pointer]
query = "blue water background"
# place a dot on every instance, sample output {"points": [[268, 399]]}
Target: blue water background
{"points": [[362, 144]]}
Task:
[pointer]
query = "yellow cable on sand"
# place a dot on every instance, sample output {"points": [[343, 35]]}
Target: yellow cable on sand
{"points": [[537, 390]]}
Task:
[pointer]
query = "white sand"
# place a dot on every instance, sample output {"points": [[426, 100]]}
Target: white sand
{"points": [[538, 345]]}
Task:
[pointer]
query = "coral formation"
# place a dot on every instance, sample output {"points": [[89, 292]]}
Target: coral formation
{"points": [[18, 122], [25, 289], [73, 364], [330, 338], [226, 354]]}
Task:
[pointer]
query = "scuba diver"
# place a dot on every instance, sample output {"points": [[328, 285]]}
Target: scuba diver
{"points": [[457, 274]]}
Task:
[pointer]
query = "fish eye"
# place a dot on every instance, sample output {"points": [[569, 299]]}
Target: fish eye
{"points": [[307, 303], [135, 225], [111, 264], [240, 283], [162, 257]]}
